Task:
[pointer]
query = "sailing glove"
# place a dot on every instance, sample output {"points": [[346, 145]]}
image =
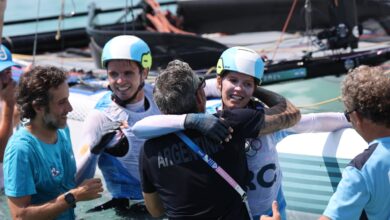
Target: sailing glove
{"points": [[110, 130], [209, 125]]}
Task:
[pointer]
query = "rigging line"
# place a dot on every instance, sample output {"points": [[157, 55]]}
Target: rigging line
{"points": [[132, 15], [126, 12], [60, 19], [284, 27], [338, 98], [36, 34]]}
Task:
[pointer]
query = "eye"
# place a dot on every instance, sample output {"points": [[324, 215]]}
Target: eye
{"points": [[113, 74]]}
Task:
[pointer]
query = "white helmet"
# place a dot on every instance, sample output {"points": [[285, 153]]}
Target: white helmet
{"points": [[127, 47], [241, 60]]}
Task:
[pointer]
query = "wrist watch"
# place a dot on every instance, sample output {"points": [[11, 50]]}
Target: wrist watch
{"points": [[70, 199]]}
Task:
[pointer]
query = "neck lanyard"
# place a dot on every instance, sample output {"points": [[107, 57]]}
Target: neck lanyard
{"points": [[206, 158]]}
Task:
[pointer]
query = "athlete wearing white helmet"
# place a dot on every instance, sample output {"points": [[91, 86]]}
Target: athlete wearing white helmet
{"points": [[127, 60]]}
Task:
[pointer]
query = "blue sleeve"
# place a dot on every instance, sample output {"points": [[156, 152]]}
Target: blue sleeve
{"points": [[350, 197], [18, 173]]}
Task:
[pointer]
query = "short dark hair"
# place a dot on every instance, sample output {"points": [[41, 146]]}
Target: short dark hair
{"points": [[34, 86], [175, 89], [367, 91]]}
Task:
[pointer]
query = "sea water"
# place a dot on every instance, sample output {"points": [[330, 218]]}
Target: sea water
{"points": [[31, 9]]}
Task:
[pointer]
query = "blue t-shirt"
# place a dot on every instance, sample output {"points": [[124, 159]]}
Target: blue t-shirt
{"points": [[43, 171], [365, 186]]}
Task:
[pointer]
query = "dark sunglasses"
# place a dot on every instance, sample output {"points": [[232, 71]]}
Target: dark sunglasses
{"points": [[347, 113], [202, 83]]}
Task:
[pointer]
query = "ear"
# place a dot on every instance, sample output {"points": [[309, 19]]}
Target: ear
{"points": [[200, 100], [219, 83], [145, 73], [37, 108]]}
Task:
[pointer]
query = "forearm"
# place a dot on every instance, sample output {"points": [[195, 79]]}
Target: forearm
{"points": [[86, 167], [320, 122], [6, 125], [157, 125], [49, 210], [281, 114]]}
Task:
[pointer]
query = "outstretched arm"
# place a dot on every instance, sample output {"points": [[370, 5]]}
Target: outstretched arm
{"points": [[281, 114], [157, 125], [320, 122]]}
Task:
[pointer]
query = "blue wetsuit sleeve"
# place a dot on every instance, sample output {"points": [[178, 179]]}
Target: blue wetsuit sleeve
{"points": [[350, 197]]}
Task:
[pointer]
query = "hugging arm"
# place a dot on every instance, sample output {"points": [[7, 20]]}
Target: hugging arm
{"points": [[207, 124], [281, 113], [320, 122]]}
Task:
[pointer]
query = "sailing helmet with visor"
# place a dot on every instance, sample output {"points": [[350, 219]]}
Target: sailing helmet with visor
{"points": [[127, 47], [241, 60]]}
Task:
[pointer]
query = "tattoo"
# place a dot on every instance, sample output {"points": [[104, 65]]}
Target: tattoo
{"points": [[281, 114]]}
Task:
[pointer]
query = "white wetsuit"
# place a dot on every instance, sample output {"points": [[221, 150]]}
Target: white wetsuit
{"points": [[120, 172]]}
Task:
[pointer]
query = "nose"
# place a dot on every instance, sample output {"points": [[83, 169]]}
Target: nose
{"points": [[70, 108], [120, 79]]}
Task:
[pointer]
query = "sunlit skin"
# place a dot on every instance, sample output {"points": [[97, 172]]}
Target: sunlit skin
{"points": [[5, 77], [236, 89], [124, 78], [55, 115]]}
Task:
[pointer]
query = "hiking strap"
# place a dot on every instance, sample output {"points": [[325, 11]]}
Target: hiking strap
{"points": [[206, 158]]}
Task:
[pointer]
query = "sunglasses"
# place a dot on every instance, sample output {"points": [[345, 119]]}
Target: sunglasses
{"points": [[347, 113], [202, 83]]}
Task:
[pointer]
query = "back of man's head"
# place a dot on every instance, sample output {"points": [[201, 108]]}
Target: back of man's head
{"points": [[367, 91], [176, 88], [34, 87]]}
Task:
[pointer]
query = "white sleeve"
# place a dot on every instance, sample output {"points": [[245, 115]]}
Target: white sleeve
{"points": [[211, 89], [157, 125], [91, 134], [320, 122]]}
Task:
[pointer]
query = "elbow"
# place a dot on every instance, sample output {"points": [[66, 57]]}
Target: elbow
{"points": [[20, 214]]}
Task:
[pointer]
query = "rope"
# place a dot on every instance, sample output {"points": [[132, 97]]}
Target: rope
{"points": [[321, 103], [285, 27], [60, 20]]}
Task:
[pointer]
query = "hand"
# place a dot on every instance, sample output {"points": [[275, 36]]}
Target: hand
{"points": [[89, 189], [209, 125], [109, 130], [275, 213]]}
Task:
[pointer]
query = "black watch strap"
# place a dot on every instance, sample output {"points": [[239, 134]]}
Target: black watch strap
{"points": [[70, 199]]}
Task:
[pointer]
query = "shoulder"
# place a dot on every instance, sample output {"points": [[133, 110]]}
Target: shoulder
{"points": [[104, 101], [242, 115], [360, 160]]}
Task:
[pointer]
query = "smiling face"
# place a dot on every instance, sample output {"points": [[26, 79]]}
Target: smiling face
{"points": [[55, 115], [125, 78], [236, 89]]}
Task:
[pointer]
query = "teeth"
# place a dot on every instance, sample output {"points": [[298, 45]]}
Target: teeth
{"points": [[123, 88], [236, 97]]}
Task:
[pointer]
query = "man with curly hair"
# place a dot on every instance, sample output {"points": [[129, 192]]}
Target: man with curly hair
{"points": [[39, 166], [363, 191]]}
